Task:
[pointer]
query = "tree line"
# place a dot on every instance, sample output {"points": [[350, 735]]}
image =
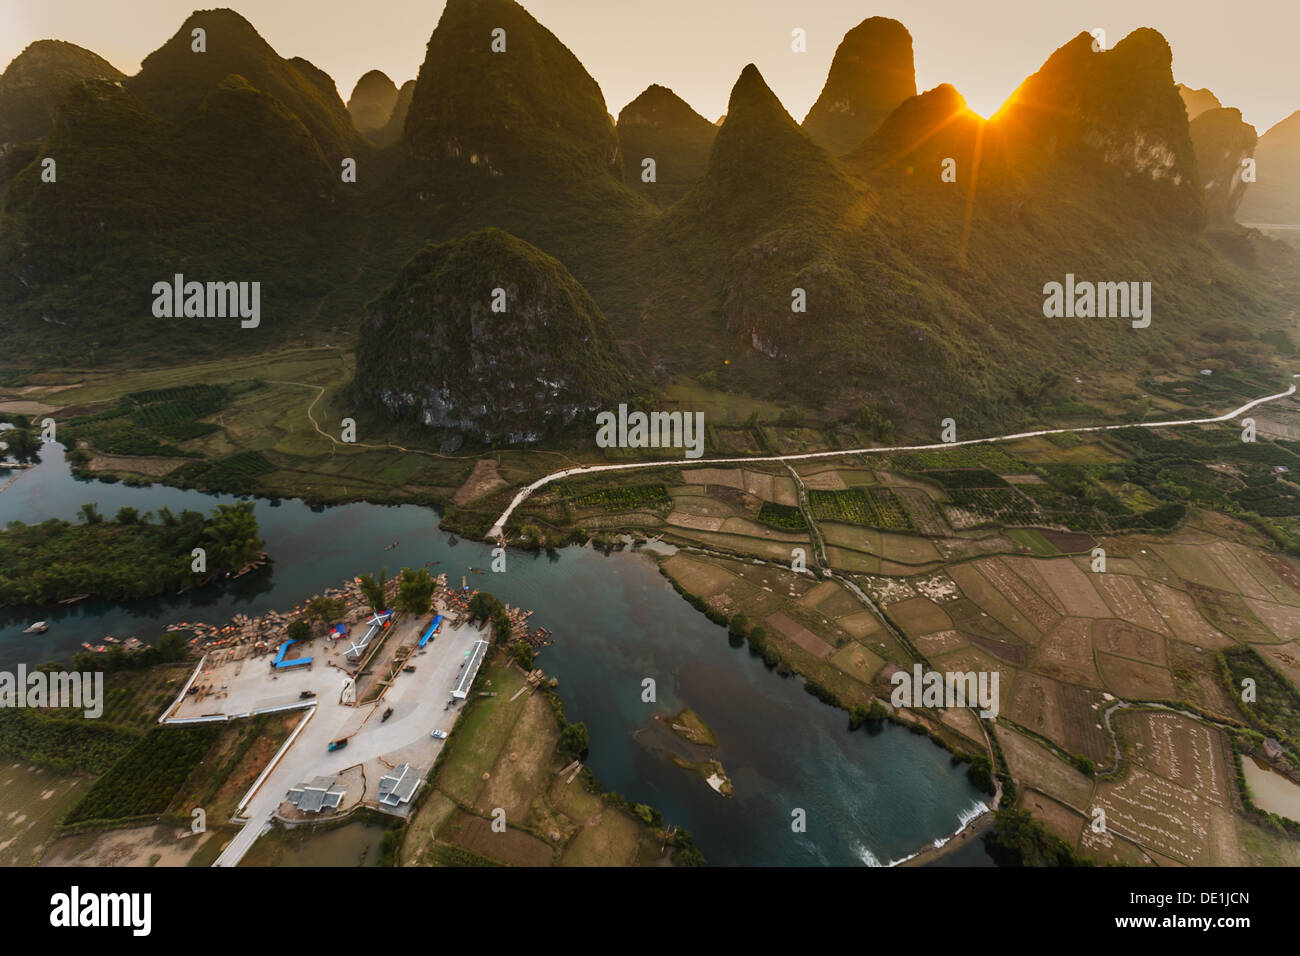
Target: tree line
{"points": [[132, 556]]}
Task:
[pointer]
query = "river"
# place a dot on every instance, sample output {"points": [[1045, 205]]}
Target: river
{"points": [[867, 797]]}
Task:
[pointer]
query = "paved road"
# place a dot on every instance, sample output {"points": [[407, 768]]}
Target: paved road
{"points": [[814, 532], [418, 701], [499, 526]]}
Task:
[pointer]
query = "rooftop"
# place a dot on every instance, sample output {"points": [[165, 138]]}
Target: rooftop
{"points": [[399, 785], [317, 794]]}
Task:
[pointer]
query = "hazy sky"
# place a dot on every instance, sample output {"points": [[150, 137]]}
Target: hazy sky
{"points": [[1243, 50]]}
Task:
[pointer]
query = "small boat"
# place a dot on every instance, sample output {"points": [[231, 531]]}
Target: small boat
{"points": [[74, 599], [391, 546], [40, 627]]}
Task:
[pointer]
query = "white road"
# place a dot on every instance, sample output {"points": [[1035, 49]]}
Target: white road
{"points": [[418, 701], [498, 528]]}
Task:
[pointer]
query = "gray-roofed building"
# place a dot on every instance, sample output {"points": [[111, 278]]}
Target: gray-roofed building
{"points": [[398, 786], [318, 794], [469, 669]]}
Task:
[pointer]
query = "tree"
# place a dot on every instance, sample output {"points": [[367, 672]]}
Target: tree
{"points": [[483, 605], [573, 739], [127, 515], [1020, 840], [502, 630], [388, 845], [980, 773], [22, 444], [298, 631], [90, 513], [324, 610], [375, 589], [173, 646], [233, 532], [523, 652], [415, 593], [686, 854]]}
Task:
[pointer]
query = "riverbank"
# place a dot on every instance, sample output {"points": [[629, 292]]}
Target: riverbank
{"points": [[617, 621], [967, 834]]}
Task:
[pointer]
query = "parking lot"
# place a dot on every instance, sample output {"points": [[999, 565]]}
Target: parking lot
{"points": [[419, 703]]}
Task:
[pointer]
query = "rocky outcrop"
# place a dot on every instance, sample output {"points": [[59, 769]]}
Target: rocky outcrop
{"points": [[489, 338], [1222, 142]]}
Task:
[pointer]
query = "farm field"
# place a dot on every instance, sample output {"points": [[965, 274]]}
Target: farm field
{"points": [[148, 778], [1067, 638], [36, 798], [246, 428], [136, 698], [157, 845], [130, 783], [981, 558], [1176, 798]]}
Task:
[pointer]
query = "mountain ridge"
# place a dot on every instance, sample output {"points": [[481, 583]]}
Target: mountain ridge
{"points": [[872, 73], [34, 83], [768, 263]]}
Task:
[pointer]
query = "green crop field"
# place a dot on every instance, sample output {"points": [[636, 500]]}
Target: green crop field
{"points": [[148, 777], [965, 478], [781, 517], [869, 507], [629, 498]]}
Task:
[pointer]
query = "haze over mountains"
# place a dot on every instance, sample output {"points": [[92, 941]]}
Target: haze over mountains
{"points": [[1275, 198], [921, 279], [372, 101]]}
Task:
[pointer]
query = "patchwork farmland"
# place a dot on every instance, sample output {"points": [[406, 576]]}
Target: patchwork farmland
{"points": [[968, 588]]}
